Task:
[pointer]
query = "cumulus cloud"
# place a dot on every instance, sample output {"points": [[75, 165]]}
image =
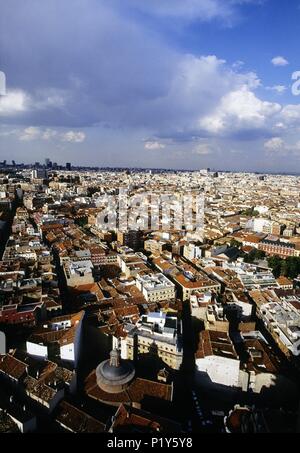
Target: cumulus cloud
{"points": [[239, 110], [290, 116], [29, 134], [122, 75], [13, 103], [36, 133], [274, 144], [125, 75], [73, 137], [154, 145], [279, 61], [279, 147]]}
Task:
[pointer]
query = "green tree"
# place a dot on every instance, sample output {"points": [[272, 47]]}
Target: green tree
{"points": [[275, 263]]}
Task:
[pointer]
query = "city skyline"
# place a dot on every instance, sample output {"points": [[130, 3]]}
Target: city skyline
{"points": [[207, 85]]}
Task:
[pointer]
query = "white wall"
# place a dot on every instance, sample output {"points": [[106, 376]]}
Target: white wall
{"points": [[2, 343], [37, 349], [27, 427], [220, 370], [67, 352]]}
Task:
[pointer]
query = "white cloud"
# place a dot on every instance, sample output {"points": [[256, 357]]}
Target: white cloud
{"points": [[290, 115], [36, 133], [239, 109], [204, 149], [13, 103], [29, 134], [73, 137], [278, 88], [279, 61], [154, 145], [274, 144], [50, 99], [278, 146], [48, 134]]}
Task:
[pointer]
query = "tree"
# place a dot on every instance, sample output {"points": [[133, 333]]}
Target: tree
{"points": [[275, 263], [254, 255], [234, 243]]}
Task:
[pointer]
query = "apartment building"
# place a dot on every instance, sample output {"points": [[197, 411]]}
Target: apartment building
{"points": [[159, 334], [156, 287]]}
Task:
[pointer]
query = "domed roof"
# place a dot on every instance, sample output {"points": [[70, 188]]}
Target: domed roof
{"points": [[115, 371]]}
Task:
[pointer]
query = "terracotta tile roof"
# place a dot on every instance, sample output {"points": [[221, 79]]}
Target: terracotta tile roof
{"points": [[137, 391], [252, 238], [128, 418], [76, 420], [261, 357], [36, 388], [203, 282], [215, 343], [12, 367], [283, 281]]}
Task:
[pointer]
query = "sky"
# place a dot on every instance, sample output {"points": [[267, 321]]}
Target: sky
{"points": [[183, 84]]}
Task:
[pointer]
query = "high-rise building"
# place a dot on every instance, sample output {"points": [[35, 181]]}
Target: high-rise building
{"points": [[48, 163], [39, 174], [68, 166], [131, 238]]}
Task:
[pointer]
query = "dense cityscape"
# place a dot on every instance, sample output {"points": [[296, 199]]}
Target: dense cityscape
{"points": [[144, 330], [149, 221]]}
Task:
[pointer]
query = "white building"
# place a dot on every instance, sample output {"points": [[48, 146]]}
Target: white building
{"points": [[192, 252], [156, 287], [78, 272], [61, 334], [221, 370], [154, 332]]}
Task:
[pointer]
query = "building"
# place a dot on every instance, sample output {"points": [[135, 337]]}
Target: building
{"points": [[78, 272], [156, 333], [40, 173], [280, 314], [156, 287], [279, 248], [75, 420], [131, 420], [27, 314], [155, 246], [216, 358], [285, 283], [115, 382], [42, 381], [59, 337], [192, 252], [189, 284], [131, 238]]}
